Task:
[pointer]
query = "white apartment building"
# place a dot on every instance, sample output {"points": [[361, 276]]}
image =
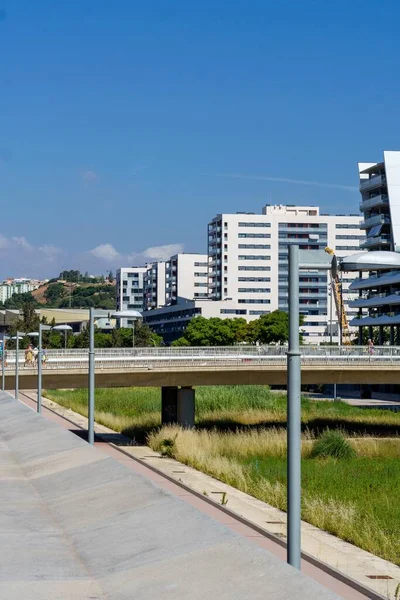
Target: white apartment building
{"points": [[154, 285], [248, 262], [186, 278], [130, 290], [379, 294], [16, 286]]}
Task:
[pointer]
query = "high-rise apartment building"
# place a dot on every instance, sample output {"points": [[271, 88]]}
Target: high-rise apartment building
{"points": [[154, 285], [186, 278], [379, 294], [248, 262], [130, 290]]}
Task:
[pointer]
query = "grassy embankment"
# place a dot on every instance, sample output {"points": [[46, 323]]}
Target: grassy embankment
{"points": [[241, 440]]}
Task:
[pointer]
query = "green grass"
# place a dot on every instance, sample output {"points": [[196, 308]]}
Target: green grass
{"points": [[136, 411]]}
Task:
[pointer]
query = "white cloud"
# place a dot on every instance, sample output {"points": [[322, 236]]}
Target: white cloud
{"points": [[22, 243], [160, 252], [4, 242], [49, 251], [336, 186], [89, 175], [105, 252]]}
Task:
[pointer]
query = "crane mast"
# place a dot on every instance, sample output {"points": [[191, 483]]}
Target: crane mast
{"points": [[340, 310]]}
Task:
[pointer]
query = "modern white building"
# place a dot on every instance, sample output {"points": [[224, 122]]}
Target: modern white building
{"points": [[154, 285], [186, 278], [16, 286], [248, 262], [130, 290], [379, 294]]}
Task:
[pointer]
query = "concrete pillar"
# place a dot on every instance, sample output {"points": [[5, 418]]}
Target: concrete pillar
{"points": [[169, 405], [186, 407], [371, 333], [380, 336], [360, 336], [398, 335], [391, 335]]}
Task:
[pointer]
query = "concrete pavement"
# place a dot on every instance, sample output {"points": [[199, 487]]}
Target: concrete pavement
{"points": [[76, 524]]}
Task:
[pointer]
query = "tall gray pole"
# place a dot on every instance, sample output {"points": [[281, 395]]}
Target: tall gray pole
{"points": [[293, 417], [17, 366], [133, 333], [91, 378], [39, 372], [3, 371]]}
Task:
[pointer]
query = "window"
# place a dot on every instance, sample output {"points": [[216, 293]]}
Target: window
{"points": [[255, 290], [347, 247], [201, 295], [242, 224], [253, 257], [351, 237], [348, 225], [233, 311], [133, 275], [258, 312], [254, 247], [253, 301], [126, 298], [254, 235], [255, 279], [200, 274], [252, 268], [200, 284], [201, 264]]}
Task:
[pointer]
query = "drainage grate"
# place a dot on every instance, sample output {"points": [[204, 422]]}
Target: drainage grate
{"points": [[275, 522], [379, 577]]}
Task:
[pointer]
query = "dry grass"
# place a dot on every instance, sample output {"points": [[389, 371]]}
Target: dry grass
{"points": [[230, 458]]}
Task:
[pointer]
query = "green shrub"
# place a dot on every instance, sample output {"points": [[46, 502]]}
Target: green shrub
{"points": [[333, 444], [167, 447]]}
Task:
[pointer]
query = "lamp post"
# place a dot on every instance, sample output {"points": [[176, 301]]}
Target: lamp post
{"points": [[63, 328], [3, 365], [123, 314], [134, 315], [19, 335], [310, 260], [38, 334]]}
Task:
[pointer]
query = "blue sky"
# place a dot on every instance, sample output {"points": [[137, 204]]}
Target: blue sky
{"points": [[129, 125]]}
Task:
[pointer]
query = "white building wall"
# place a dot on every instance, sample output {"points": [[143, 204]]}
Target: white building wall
{"points": [[249, 246], [185, 278], [130, 290]]}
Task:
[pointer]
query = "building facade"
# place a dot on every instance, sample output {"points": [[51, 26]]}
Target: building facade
{"points": [[16, 286], [154, 285], [130, 290], [378, 302], [248, 262], [186, 278]]}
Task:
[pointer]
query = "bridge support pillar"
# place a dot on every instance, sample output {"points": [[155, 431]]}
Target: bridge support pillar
{"points": [[186, 406], [380, 336], [398, 335], [169, 405], [391, 335], [360, 336], [178, 406]]}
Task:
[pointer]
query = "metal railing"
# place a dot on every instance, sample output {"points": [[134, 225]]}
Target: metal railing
{"points": [[213, 357]]}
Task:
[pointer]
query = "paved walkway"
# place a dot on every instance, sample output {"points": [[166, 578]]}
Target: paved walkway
{"points": [[76, 524]]}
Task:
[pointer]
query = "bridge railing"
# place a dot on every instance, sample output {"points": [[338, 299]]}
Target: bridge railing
{"points": [[128, 358]]}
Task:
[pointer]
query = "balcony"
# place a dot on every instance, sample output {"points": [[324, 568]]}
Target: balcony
{"points": [[375, 202], [379, 240], [373, 182], [375, 220]]}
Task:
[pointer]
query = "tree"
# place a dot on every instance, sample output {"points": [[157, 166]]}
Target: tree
{"points": [[213, 332], [272, 328], [18, 300], [111, 277], [54, 293]]}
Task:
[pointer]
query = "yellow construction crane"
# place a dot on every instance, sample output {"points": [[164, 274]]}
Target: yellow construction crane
{"points": [[340, 310]]}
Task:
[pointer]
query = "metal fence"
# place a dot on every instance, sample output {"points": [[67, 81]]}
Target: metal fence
{"points": [[156, 358]]}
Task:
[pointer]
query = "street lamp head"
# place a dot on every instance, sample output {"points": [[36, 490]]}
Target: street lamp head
{"points": [[126, 314], [370, 261]]}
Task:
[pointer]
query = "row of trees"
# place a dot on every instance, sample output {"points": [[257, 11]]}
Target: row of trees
{"points": [[118, 338], [272, 328]]}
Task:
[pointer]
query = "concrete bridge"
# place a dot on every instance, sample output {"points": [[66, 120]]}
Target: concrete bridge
{"points": [[239, 365]]}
